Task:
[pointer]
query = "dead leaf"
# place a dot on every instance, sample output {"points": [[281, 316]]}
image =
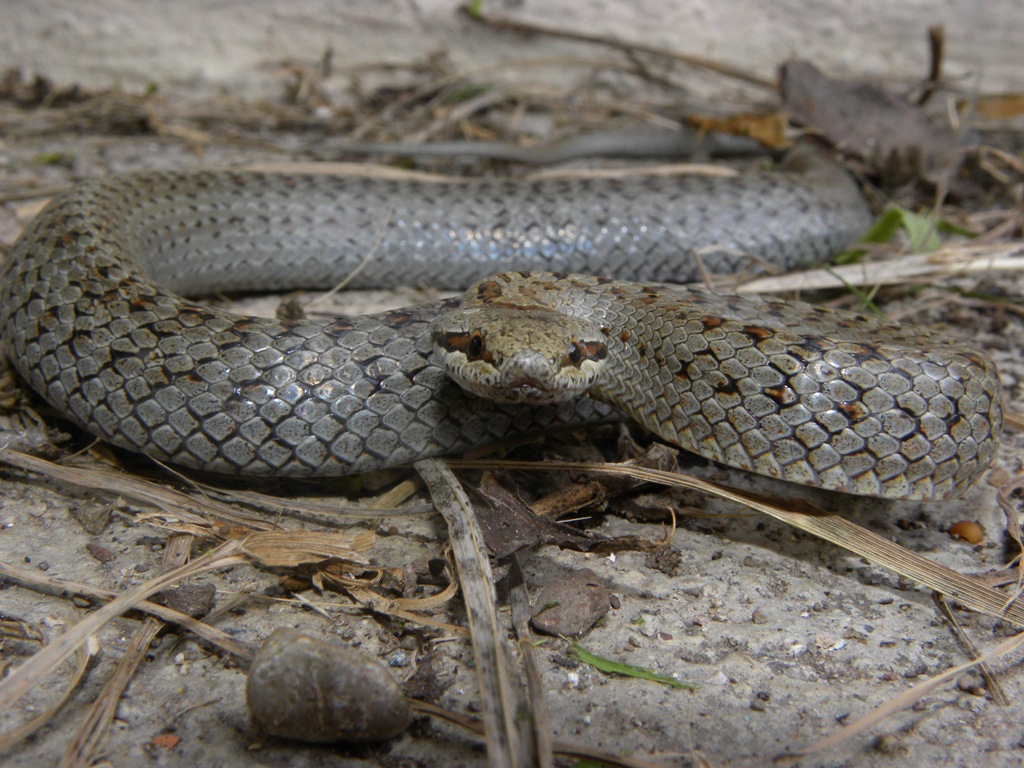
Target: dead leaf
{"points": [[166, 740], [509, 525], [290, 549], [1002, 106], [768, 129], [862, 118]]}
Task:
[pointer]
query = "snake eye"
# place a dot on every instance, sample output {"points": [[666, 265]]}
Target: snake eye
{"points": [[579, 351], [574, 354], [475, 349]]}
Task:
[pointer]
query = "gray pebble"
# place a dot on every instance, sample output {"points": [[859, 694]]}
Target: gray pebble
{"points": [[305, 689]]}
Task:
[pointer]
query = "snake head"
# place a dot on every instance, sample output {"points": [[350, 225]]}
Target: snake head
{"points": [[534, 356]]}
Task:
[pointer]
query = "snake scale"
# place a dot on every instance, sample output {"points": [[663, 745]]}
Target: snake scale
{"points": [[92, 317]]}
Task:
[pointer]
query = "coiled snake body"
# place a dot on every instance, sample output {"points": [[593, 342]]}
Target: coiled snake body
{"points": [[92, 318]]}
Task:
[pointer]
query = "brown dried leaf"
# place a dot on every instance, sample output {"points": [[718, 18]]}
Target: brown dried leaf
{"points": [[290, 549], [768, 129], [509, 525], [881, 127], [1001, 106], [571, 499], [12, 628]]}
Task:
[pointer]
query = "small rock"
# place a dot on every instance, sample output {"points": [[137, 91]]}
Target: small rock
{"points": [[305, 689], [431, 678], [967, 530], [193, 599], [571, 606], [102, 554], [890, 746], [92, 518], [920, 668], [398, 659], [971, 683], [666, 560]]}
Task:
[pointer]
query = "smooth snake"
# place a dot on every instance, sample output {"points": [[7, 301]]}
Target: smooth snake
{"points": [[92, 318]]}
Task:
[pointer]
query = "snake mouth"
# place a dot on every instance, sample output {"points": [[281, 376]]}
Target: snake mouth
{"points": [[527, 389]]}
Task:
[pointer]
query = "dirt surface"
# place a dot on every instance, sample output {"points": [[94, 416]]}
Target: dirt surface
{"points": [[788, 637]]}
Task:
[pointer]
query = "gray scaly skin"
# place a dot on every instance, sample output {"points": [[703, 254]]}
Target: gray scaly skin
{"points": [[813, 396], [91, 317]]}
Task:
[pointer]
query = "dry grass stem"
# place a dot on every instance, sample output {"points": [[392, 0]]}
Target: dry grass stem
{"points": [[504, 699], [972, 593], [31, 673], [16, 735], [946, 262], [291, 549], [33, 579], [907, 699], [82, 751], [176, 507]]}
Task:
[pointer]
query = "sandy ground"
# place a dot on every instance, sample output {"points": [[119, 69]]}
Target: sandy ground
{"points": [[787, 637]]}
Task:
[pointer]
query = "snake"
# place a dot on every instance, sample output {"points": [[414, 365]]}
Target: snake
{"points": [[573, 312]]}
